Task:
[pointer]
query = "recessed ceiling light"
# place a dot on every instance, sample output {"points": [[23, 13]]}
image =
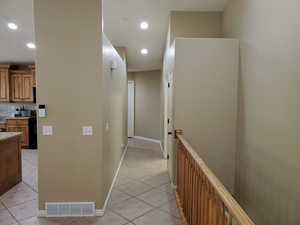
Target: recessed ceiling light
{"points": [[12, 26], [30, 45], [144, 25], [144, 51]]}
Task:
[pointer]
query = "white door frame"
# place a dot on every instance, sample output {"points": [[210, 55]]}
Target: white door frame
{"points": [[168, 112], [170, 125], [166, 115], [131, 97]]}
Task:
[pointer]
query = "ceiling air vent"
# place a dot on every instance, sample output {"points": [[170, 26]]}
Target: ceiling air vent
{"points": [[67, 209]]}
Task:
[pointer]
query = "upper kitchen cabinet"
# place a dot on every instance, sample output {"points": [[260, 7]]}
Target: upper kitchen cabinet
{"points": [[4, 83], [17, 83], [32, 69], [21, 86]]}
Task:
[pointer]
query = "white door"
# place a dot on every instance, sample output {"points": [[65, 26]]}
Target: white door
{"points": [[130, 108]]}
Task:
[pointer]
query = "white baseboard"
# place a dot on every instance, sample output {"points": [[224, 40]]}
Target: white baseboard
{"points": [[98, 212], [155, 141], [147, 139], [163, 151]]}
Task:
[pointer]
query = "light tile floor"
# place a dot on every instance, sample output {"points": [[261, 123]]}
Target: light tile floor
{"points": [[142, 194]]}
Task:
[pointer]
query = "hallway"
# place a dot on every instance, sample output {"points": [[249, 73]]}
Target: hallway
{"points": [[142, 194]]}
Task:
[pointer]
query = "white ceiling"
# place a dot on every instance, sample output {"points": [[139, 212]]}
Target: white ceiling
{"points": [[121, 25], [13, 43]]}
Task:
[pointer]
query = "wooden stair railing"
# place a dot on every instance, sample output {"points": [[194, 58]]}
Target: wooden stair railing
{"points": [[201, 197]]}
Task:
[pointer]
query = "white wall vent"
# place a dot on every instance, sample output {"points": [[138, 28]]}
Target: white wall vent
{"points": [[67, 209]]}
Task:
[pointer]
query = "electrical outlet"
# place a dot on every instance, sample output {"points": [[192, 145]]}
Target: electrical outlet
{"points": [[87, 131], [47, 130]]}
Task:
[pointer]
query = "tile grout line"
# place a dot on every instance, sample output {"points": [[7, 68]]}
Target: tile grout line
{"points": [[7, 209], [153, 207]]}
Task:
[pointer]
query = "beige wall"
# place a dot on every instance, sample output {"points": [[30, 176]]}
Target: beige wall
{"points": [[186, 24], [122, 52], [76, 84], [130, 76], [115, 111], [195, 24], [69, 83], [269, 126], [205, 101], [147, 103]]}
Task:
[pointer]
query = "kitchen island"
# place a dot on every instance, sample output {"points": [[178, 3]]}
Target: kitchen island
{"points": [[10, 160]]}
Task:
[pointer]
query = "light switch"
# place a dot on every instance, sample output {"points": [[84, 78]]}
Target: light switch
{"points": [[107, 126], [87, 131], [47, 130]]}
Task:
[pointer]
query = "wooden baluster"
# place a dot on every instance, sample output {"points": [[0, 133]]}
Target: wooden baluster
{"points": [[185, 185], [219, 212], [187, 188], [182, 176], [199, 198], [202, 198], [195, 196], [222, 217], [226, 216], [178, 167], [230, 219], [207, 203], [183, 179], [209, 220], [190, 188], [183, 173], [215, 210], [210, 208]]}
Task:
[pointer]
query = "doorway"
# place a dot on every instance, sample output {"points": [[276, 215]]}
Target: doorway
{"points": [[131, 92]]}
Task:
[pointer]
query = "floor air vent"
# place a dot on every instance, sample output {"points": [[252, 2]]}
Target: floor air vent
{"points": [[66, 209]]}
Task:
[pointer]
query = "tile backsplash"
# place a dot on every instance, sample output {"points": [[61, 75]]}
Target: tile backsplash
{"points": [[8, 109]]}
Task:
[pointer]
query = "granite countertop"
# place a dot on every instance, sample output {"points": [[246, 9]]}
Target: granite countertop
{"points": [[18, 118], [7, 135]]}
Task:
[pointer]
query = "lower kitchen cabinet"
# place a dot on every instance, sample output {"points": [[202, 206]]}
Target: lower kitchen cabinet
{"points": [[19, 125], [2, 127]]}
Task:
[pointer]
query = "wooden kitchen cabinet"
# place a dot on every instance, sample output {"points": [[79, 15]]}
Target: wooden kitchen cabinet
{"points": [[2, 127], [33, 73], [4, 83], [19, 125], [10, 161], [21, 86]]}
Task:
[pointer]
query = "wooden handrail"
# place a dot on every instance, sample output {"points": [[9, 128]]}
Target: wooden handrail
{"points": [[218, 197]]}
